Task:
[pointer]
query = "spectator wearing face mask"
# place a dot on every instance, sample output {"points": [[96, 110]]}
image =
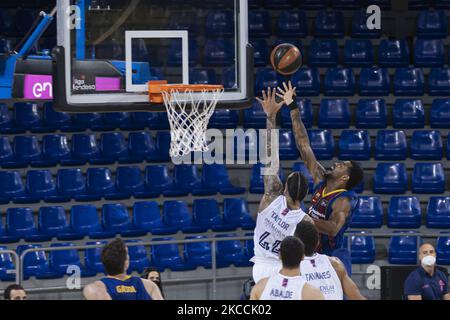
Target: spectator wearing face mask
{"points": [[154, 275], [427, 282]]}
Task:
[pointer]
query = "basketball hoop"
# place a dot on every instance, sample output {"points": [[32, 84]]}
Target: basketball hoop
{"points": [[189, 108]]}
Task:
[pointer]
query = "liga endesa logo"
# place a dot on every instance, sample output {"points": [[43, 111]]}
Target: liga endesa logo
{"points": [[38, 87]]}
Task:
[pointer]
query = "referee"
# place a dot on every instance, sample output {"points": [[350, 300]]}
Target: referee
{"points": [[427, 282]]}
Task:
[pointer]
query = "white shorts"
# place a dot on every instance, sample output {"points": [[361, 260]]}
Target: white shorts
{"points": [[262, 269]]}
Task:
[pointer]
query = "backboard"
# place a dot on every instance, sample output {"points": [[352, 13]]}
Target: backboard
{"points": [[109, 49]]}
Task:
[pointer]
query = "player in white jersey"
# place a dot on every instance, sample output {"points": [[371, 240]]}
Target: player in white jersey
{"points": [[279, 210], [287, 284], [323, 272]]}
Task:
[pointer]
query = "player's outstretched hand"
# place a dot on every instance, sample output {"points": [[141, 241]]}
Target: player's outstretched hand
{"points": [[269, 103], [287, 94]]}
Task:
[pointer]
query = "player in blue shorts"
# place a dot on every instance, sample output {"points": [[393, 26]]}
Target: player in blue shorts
{"points": [[333, 198], [118, 285]]}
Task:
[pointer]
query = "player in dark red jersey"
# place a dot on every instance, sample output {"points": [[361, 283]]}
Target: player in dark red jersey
{"points": [[333, 199]]}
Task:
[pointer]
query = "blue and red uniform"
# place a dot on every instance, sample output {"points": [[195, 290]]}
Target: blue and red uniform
{"points": [[322, 208], [130, 288]]}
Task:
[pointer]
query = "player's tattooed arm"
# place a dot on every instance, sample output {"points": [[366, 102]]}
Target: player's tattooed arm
{"points": [[273, 186], [341, 209], [301, 134], [351, 290]]}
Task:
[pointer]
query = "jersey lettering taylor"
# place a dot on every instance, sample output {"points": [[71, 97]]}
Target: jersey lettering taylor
{"points": [[273, 224], [318, 271], [280, 287]]}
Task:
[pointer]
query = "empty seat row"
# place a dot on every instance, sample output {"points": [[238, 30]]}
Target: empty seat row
{"points": [[402, 212], [391, 178], [54, 264], [115, 219], [373, 81], [83, 148], [129, 181]]}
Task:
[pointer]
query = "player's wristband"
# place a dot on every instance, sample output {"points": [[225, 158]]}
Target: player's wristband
{"points": [[292, 105]]}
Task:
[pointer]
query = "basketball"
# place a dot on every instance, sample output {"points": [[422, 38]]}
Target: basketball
{"points": [[286, 59]]}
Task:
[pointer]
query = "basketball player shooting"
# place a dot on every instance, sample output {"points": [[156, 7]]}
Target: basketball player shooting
{"points": [[333, 199], [279, 210]]}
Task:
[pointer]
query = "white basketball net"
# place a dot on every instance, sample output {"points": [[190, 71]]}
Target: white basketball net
{"points": [[189, 113]]}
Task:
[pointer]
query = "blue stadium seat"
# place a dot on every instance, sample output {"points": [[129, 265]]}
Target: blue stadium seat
{"points": [[408, 113], [167, 256], [299, 166], [55, 149], [438, 213], [6, 125], [229, 252], [429, 53], [329, 24], [246, 146], [176, 214], [158, 179], [322, 143], [371, 113], [215, 178], [229, 78], [334, 113], [339, 82], [35, 262], [393, 53], [26, 116], [390, 178], [359, 26], [84, 148], [202, 76], [99, 183], [374, 81], [218, 52], [255, 117], [198, 254], [83, 121], [121, 120], [187, 180], [157, 121], [354, 145], [115, 218], [443, 249], [404, 212], [408, 82], [287, 146], [362, 249], [358, 53], [10, 186], [85, 221], [428, 178], [26, 150], [292, 23], [224, 119], [390, 145], [70, 183], [219, 23], [163, 146], [140, 120], [323, 53], [6, 266], [147, 217], [403, 249], [432, 24], [141, 146], [6, 152], [266, 77], [60, 260], [257, 179], [20, 224], [206, 213], [439, 82], [92, 258], [259, 25], [113, 147], [306, 113], [53, 221], [130, 181], [53, 120], [368, 213], [237, 214], [175, 53], [426, 145], [440, 113], [39, 186], [307, 82]]}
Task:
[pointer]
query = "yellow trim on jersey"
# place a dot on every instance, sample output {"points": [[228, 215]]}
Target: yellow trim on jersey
{"points": [[332, 192], [117, 278]]}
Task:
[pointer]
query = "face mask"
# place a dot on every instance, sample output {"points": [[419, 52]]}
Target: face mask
{"points": [[428, 261]]}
